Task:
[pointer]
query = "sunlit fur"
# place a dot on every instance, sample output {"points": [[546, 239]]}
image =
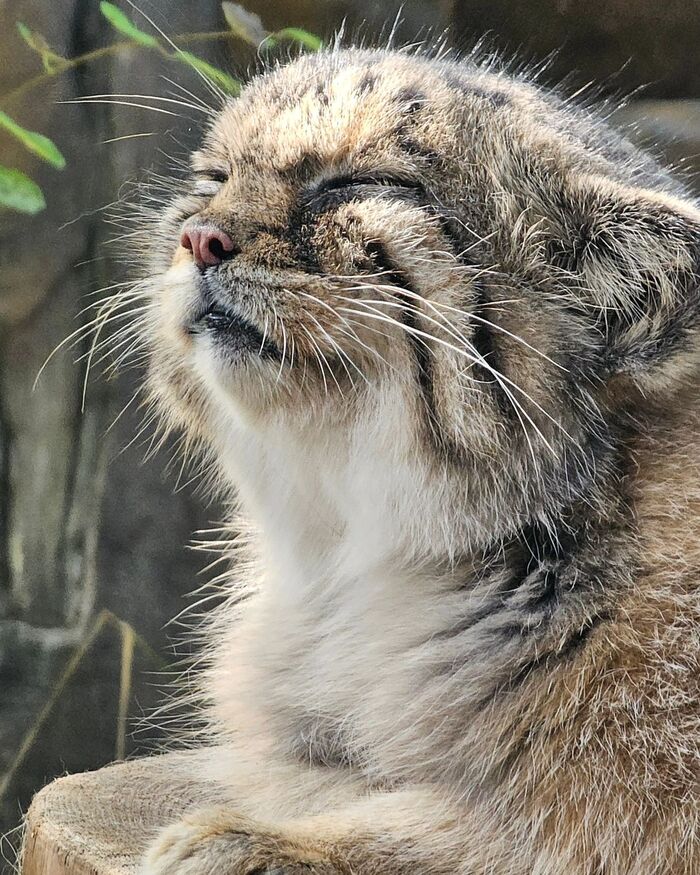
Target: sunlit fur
{"points": [[465, 636]]}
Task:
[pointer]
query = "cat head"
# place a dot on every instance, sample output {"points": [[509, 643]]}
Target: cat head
{"points": [[429, 253]]}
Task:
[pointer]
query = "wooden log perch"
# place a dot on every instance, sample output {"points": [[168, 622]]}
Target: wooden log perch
{"points": [[99, 823]]}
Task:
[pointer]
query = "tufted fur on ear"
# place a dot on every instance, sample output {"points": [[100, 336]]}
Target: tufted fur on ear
{"points": [[634, 256]]}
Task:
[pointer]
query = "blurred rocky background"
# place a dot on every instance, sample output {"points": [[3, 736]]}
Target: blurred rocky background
{"points": [[93, 557]]}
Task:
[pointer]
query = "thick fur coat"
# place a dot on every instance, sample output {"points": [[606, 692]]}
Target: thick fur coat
{"points": [[442, 351]]}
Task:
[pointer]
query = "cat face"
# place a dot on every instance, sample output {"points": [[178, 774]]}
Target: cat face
{"points": [[370, 231]]}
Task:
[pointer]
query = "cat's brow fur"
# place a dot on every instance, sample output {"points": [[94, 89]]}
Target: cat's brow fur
{"points": [[466, 637]]}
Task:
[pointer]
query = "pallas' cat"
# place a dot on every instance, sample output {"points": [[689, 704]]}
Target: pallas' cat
{"points": [[435, 330]]}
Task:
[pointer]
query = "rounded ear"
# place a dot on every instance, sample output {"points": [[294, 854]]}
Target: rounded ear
{"points": [[635, 258]]}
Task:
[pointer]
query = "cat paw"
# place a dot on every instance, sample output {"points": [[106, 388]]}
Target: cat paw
{"points": [[215, 842]]}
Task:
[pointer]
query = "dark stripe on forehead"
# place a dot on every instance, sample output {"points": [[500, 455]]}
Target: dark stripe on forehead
{"points": [[367, 84], [471, 90], [303, 166], [411, 146], [411, 99]]}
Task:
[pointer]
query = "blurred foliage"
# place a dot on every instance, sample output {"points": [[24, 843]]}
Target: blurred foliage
{"points": [[37, 143], [51, 60], [121, 23], [17, 190], [20, 192]]}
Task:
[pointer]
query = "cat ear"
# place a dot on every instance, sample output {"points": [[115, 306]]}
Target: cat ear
{"points": [[634, 258]]}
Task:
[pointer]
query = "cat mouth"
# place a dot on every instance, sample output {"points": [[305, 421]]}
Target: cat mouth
{"points": [[216, 318], [233, 332]]}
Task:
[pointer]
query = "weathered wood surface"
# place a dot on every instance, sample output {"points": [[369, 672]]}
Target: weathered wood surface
{"points": [[99, 823]]}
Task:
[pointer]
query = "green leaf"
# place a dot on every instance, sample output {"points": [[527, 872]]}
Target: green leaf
{"points": [[50, 59], [26, 34], [19, 192], [246, 25], [124, 25], [37, 143], [228, 83], [303, 37]]}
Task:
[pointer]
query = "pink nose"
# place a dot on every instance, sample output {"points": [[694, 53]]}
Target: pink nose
{"points": [[208, 244]]}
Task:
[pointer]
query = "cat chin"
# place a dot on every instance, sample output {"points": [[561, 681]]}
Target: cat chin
{"points": [[243, 388]]}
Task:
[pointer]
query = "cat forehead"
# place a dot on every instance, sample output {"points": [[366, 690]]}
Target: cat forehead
{"points": [[351, 100]]}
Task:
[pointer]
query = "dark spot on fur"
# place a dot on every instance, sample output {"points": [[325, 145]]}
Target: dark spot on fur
{"points": [[453, 230], [543, 545], [487, 609], [546, 595], [246, 159], [574, 642], [305, 251], [367, 84], [529, 567], [495, 98], [568, 254], [304, 166], [322, 94], [413, 147], [492, 96], [300, 233], [411, 100]]}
